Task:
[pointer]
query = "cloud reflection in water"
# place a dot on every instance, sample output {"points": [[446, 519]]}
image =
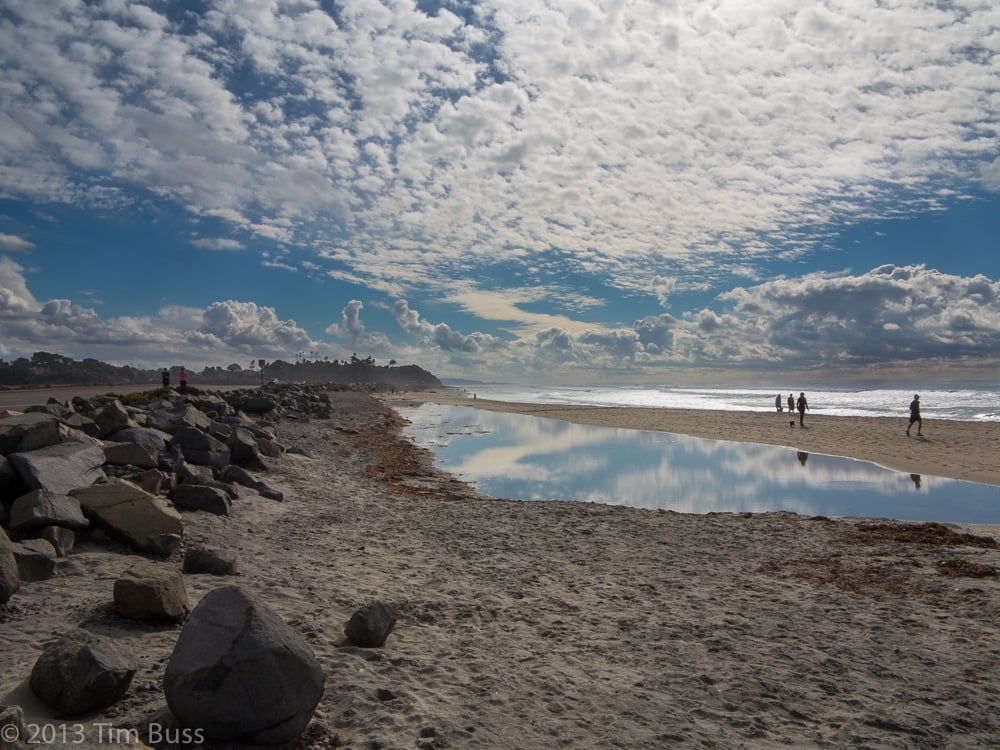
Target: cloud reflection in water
{"points": [[531, 458]]}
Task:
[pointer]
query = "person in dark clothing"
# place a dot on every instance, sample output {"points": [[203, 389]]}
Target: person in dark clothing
{"points": [[915, 416], [791, 404], [165, 376], [802, 405], [777, 403]]}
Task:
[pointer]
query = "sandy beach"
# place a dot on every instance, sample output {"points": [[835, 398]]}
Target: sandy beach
{"points": [[552, 624], [948, 448]]}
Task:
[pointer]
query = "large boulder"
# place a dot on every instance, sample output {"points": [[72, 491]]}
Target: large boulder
{"points": [[243, 449], [41, 508], [82, 672], [28, 432], [36, 559], [200, 448], [209, 560], [238, 672], [143, 520], [148, 591], [173, 419], [10, 580], [153, 440], [370, 626], [111, 417], [130, 454], [201, 497], [59, 468]]}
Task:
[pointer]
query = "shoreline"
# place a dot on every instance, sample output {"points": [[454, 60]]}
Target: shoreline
{"points": [[952, 449]]}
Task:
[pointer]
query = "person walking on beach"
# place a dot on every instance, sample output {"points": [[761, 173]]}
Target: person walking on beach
{"points": [[802, 405], [777, 403], [915, 416]]}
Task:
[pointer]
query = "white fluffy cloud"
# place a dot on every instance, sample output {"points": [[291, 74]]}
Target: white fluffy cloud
{"points": [[631, 137]]}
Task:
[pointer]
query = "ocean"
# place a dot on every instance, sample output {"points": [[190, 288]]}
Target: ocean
{"points": [[523, 457], [969, 404]]}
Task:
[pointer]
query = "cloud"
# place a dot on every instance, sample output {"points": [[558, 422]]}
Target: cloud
{"points": [[218, 243], [353, 328], [425, 145], [13, 244]]}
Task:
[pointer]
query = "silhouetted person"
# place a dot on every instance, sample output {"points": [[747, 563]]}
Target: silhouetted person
{"points": [[802, 405], [184, 380], [791, 404], [165, 377], [777, 403], [803, 457], [915, 416], [916, 480]]}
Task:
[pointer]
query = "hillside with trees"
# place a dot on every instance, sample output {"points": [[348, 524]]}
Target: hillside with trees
{"points": [[47, 369]]}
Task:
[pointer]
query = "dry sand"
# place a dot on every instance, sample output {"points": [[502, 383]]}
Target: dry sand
{"points": [[545, 625]]}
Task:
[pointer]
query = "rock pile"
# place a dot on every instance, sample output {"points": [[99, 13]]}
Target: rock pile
{"points": [[127, 473]]}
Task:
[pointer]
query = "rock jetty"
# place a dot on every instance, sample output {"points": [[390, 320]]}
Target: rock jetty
{"points": [[133, 474]]}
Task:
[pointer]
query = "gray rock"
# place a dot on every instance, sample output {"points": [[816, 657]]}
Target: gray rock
{"points": [[10, 581], [36, 559], [28, 432], [259, 404], [173, 419], [216, 562], [229, 488], [127, 512], [239, 672], [59, 468], [61, 539], [244, 478], [200, 448], [13, 739], [129, 454], [201, 497], [111, 418], [148, 591], [153, 440], [243, 449], [370, 626], [41, 508], [82, 672], [86, 425], [9, 480]]}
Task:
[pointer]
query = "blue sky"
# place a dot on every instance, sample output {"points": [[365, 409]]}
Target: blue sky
{"points": [[534, 190]]}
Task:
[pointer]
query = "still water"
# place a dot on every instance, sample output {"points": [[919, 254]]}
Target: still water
{"points": [[531, 458]]}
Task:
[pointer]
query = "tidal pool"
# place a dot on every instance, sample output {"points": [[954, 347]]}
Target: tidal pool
{"points": [[531, 458]]}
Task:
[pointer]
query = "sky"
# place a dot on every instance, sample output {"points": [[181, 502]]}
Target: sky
{"points": [[540, 191]]}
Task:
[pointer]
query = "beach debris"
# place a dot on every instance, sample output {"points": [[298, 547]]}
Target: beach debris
{"points": [[920, 533], [238, 672], [370, 626], [151, 591], [82, 672], [957, 568]]}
